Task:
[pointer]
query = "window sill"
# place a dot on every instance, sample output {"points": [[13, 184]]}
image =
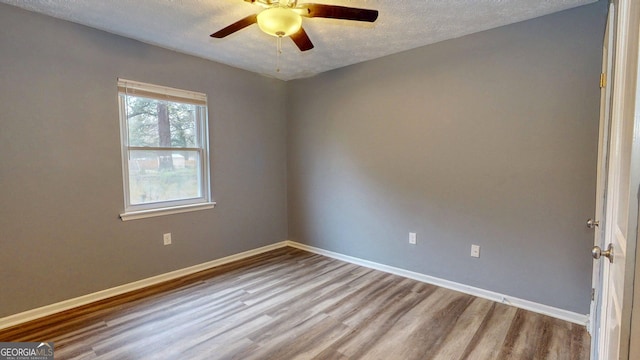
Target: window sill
{"points": [[134, 215]]}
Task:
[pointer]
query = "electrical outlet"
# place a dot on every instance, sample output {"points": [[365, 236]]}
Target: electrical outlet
{"points": [[167, 238], [412, 238], [475, 251]]}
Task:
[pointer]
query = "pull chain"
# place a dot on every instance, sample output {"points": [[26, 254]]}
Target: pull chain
{"points": [[278, 52]]}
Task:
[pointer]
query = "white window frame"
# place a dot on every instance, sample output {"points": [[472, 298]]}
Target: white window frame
{"points": [[139, 211]]}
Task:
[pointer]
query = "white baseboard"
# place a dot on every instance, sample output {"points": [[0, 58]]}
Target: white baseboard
{"points": [[47, 310], [485, 294]]}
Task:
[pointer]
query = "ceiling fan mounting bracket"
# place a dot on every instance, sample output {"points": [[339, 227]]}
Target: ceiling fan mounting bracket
{"points": [[271, 3]]}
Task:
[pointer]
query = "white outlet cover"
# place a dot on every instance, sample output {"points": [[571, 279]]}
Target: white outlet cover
{"points": [[475, 251], [167, 238], [412, 238]]}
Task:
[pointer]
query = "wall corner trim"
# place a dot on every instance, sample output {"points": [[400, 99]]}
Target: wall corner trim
{"points": [[561, 314], [29, 315]]}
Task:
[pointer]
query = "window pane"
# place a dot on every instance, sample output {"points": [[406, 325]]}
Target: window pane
{"points": [[163, 176], [159, 123], [164, 148]]}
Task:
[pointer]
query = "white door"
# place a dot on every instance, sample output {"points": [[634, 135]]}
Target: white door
{"points": [[603, 148], [601, 184], [613, 246]]}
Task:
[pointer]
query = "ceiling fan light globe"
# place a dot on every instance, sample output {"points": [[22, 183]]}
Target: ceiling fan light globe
{"points": [[279, 21]]}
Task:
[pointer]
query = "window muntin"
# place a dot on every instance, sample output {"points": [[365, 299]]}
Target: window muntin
{"points": [[164, 147]]}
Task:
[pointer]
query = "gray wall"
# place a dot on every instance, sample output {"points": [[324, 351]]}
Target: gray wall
{"points": [[61, 176], [489, 139]]}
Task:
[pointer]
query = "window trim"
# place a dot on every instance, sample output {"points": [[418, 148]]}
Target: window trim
{"points": [[143, 214], [140, 211]]}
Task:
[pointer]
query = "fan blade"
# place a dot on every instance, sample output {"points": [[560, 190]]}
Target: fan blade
{"points": [[302, 40], [238, 25], [338, 12]]}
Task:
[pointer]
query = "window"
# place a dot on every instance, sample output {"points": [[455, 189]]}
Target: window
{"points": [[165, 153]]}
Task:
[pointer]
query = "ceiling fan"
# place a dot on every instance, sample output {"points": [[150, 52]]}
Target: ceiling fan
{"points": [[283, 18]]}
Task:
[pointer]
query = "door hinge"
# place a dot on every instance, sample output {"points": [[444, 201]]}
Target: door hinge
{"points": [[603, 80], [593, 294]]}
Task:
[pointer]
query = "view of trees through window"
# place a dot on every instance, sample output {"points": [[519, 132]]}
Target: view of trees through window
{"points": [[163, 150]]}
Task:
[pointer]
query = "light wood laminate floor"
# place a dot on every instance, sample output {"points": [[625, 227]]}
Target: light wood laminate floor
{"points": [[291, 304]]}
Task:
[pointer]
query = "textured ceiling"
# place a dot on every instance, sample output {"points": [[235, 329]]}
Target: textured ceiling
{"points": [[185, 25]]}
